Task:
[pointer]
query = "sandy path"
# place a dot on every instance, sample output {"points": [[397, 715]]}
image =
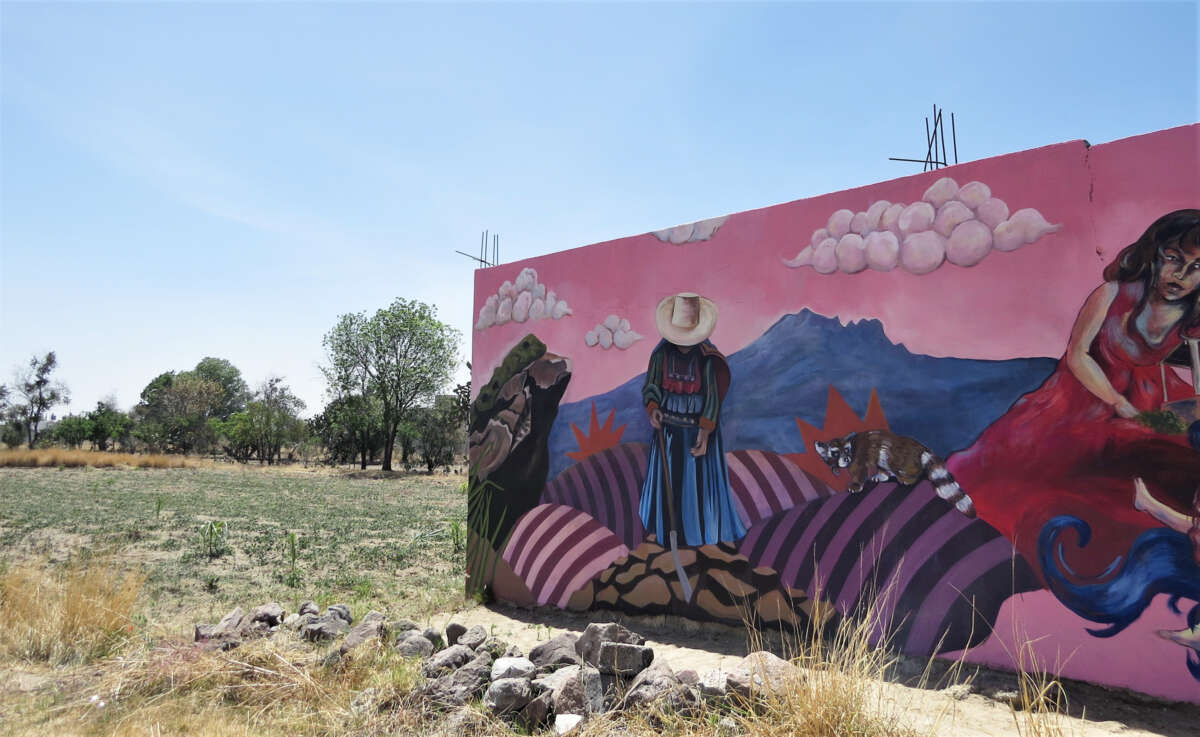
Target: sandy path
{"points": [[977, 710]]}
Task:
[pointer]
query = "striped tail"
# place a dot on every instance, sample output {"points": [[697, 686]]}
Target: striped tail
{"points": [[945, 485]]}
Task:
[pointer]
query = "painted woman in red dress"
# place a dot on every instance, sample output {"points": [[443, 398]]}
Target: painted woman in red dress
{"points": [[1073, 446]]}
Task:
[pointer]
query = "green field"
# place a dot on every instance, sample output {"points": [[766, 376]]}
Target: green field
{"points": [[394, 542]]}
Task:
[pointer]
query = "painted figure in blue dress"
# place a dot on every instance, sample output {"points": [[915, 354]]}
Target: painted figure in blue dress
{"points": [[686, 382]]}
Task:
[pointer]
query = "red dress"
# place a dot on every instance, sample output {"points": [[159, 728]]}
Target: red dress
{"points": [[1062, 450]]}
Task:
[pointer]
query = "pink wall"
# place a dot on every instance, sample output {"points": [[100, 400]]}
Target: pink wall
{"points": [[951, 312], [1013, 304]]}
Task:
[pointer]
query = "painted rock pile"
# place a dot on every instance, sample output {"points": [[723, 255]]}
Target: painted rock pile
{"points": [[725, 587]]}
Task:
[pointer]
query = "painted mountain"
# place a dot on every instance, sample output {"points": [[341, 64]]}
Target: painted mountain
{"points": [[786, 374]]}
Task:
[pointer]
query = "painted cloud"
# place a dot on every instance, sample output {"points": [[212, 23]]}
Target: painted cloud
{"points": [[701, 230], [614, 332], [961, 225], [524, 300]]}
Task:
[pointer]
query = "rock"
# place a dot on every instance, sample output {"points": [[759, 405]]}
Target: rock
{"points": [[620, 659], [461, 686], [308, 607], [453, 631], [372, 626], [413, 645], [292, 621], [958, 691], [433, 636], [473, 637], [341, 611], [463, 720], [492, 646], [535, 713], [250, 629], [1011, 698], [271, 613], [202, 632], [728, 727], [564, 723], [577, 690], [324, 628], [513, 668], [559, 651], [448, 659], [714, 684], [229, 624], [760, 673], [588, 644], [651, 684], [513, 652], [507, 695], [404, 625], [688, 677], [364, 701], [304, 620]]}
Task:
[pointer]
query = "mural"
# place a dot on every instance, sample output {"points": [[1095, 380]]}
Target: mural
{"points": [[978, 424]]}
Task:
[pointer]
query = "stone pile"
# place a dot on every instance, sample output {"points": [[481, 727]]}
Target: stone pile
{"points": [[561, 682]]}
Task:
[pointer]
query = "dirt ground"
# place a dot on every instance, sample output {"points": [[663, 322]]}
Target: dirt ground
{"points": [[978, 709]]}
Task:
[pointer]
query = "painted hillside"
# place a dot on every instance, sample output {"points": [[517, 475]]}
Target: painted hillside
{"points": [[786, 374]]}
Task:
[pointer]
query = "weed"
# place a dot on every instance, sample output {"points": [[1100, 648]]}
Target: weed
{"points": [[292, 577], [212, 538], [159, 502], [458, 537], [211, 584]]}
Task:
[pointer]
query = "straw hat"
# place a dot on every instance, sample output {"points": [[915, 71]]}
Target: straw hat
{"points": [[685, 318]]}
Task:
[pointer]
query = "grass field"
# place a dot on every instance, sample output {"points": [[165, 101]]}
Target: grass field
{"points": [[209, 539], [103, 572]]}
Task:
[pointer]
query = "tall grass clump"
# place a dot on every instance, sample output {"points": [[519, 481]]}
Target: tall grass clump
{"points": [[268, 686], [55, 457], [70, 614], [839, 687]]}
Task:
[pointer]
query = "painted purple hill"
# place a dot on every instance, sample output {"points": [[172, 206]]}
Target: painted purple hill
{"points": [[786, 373]]}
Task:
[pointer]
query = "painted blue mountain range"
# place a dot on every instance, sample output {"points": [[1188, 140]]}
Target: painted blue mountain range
{"points": [[943, 402]]}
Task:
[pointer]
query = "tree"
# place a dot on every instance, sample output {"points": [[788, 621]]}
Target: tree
{"points": [[72, 430], [234, 391], [174, 412], [439, 432], [350, 427], [402, 355], [462, 401], [274, 418], [38, 393], [108, 424]]}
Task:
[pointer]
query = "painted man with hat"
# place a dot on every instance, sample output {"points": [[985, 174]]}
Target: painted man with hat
{"points": [[686, 382]]}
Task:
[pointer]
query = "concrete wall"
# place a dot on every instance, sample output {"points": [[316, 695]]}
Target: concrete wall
{"points": [[934, 331]]}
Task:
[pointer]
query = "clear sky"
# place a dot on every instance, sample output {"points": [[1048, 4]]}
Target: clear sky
{"points": [[190, 180]]}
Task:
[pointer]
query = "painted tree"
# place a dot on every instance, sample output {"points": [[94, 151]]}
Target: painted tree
{"points": [[37, 392], [402, 355]]}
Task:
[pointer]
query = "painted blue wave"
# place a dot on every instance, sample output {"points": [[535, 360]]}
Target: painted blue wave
{"points": [[1160, 561]]}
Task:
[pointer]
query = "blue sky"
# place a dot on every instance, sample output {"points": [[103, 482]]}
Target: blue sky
{"points": [[190, 180]]}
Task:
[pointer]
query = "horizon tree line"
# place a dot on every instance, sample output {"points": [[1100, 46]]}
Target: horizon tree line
{"points": [[385, 376]]}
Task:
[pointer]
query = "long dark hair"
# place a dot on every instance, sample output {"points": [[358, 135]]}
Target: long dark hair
{"points": [[1142, 259]]}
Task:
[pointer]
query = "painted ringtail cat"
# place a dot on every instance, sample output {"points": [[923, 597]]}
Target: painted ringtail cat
{"points": [[878, 455]]}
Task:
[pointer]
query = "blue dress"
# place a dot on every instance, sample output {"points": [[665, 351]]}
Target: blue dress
{"points": [[688, 387]]}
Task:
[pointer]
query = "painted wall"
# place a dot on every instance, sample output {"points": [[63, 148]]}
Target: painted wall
{"points": [[825, 334]]}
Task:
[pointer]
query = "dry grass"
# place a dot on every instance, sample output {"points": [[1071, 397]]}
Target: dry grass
{"points": [[269, 686], [60, 457], [68, 615]]}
